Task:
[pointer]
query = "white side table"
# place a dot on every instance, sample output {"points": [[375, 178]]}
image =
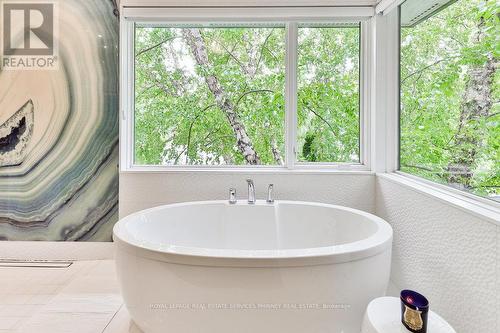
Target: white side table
{"points": [[383, 315]]}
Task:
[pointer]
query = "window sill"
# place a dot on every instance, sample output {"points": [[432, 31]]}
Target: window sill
{"points": [[483, 208], [299, 169]]}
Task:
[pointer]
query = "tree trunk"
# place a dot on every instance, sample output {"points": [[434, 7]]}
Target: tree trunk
{"points": [[476, 105], [243, 141], [276, 152]]}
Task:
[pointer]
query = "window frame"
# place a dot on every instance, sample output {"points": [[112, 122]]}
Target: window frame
{"points": [[291, 17]]}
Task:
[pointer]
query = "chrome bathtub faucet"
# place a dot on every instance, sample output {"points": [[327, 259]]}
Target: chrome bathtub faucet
{"points": [[251, 192], [270, 190], [232, 196]]}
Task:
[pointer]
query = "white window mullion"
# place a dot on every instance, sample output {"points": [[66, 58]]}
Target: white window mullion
{"points": [[384, 115], [291, 93], [365, 91]]}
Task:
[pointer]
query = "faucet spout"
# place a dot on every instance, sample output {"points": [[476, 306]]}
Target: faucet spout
{"points": [[251, 191]]}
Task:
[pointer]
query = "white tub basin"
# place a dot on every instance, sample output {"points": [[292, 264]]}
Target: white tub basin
{"points": [[283, 267]]}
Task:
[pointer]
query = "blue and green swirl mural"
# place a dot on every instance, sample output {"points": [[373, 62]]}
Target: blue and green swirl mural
{"points": [[59, 134]]}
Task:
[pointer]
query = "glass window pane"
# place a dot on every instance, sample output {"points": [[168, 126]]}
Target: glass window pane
{"points": [[328, 94], [450, 120], [209, 95]]}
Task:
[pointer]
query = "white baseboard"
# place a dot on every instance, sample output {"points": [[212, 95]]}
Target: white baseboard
{"points": [[56, 250]]}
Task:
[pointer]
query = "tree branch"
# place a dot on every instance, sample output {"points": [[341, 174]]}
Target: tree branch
{"points": [[232, 55], [156, 45], [418, 167], [210, 134], [493, 115], [403, 80], [486, 186], [320, 117], [252, 92], [191, 129], [262, 51]]}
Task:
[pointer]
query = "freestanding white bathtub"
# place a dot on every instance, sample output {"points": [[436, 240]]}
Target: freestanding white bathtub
{"points": [[212, 267]]}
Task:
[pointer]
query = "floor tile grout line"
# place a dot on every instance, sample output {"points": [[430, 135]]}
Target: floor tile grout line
{"points": [[113, 317]]}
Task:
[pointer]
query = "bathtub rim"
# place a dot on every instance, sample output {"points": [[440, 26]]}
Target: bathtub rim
{"points": [[375, 244]]}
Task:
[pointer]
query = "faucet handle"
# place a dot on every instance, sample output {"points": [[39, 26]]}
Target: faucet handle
{"points": [[270, 191], [251, 192], [232, 195]]}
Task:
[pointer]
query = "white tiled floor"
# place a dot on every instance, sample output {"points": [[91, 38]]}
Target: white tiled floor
{"points": [[83, 298]]}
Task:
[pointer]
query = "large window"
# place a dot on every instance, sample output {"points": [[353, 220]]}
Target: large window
{"points": [[222, 94], [450, 119]]}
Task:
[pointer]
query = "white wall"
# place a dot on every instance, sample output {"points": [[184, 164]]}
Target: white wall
{"points": [[139, 191], [449, 255]]}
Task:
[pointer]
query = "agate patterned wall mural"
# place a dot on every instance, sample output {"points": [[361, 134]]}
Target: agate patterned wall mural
{"points": [[59, 133]]}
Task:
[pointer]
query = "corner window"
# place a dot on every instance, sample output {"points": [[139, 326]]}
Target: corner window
{"points": [[222, 94], [449, 118]]}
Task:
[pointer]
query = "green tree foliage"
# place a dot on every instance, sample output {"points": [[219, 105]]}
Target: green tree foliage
{"points": [[328, 94], [180, 118], [450, 120]]}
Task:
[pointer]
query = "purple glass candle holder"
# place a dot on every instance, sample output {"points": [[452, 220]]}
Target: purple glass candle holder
{"points": [[414, 311]]}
